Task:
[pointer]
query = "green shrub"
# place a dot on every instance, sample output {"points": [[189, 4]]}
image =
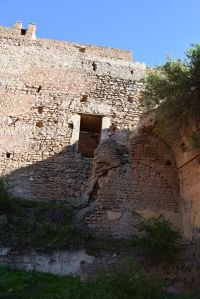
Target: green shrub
{"points": [[59, 235], [157, 240], [126, 282], [34, 224], [130, 281]]}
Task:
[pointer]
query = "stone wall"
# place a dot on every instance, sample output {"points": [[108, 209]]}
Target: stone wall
{"points": [[188, 163], [44, 86], [140, 178], [60, 263], [18, 33]]}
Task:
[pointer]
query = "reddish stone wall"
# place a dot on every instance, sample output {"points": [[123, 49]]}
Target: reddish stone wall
{"points": [[42, 86], [145, 182]]}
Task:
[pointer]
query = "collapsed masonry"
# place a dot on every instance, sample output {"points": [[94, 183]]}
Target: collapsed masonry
{"points": [[59, 102]]}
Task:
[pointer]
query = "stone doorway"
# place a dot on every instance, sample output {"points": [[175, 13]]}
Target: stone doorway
{"points": [[90, 134]]}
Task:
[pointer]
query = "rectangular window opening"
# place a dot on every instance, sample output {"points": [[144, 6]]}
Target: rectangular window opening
{"points": [[90, 134], [23, 31]]}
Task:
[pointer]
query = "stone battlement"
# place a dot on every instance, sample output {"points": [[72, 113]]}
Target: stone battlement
{"points": [[18, 33]]}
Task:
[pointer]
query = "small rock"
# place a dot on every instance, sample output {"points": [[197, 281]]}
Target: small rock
{"points": [[112, 215]]}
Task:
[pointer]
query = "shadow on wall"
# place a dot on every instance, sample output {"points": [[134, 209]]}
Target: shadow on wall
{"points": [[61, 177], [123, 179]]}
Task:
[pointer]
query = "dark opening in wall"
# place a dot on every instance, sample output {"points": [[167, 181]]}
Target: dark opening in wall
{"points": [[84, 98], [40, 109], [8, 155], [23, 31], [39, 88], [168, 163], [90, 134], [130, 99], [39, 124], [70, 125], [94, 66], [131, 72]]}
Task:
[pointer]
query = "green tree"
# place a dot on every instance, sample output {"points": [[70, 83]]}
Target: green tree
{"points": [[172, 91]]}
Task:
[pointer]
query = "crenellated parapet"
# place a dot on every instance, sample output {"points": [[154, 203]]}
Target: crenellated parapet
{"points": [[17, 34], [17, 31]]}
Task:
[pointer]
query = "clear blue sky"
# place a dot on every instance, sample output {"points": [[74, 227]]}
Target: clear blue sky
{"points": [[150, 28]]}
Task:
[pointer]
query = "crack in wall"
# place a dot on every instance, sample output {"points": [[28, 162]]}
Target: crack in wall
{"points": [[92, 196]]}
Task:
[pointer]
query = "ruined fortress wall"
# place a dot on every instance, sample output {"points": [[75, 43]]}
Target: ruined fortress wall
{"points": [[45, 86], [42, 87], [142, 180]]}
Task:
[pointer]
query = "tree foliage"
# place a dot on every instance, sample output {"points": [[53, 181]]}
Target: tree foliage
{"points": [[172, 90]]}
